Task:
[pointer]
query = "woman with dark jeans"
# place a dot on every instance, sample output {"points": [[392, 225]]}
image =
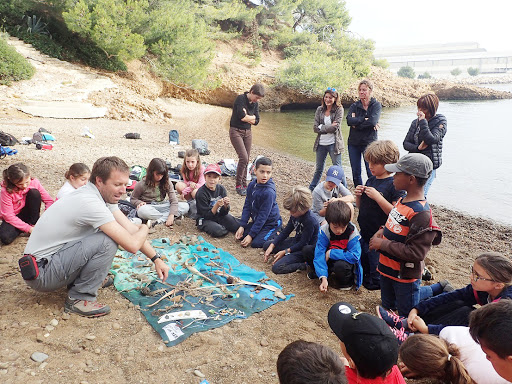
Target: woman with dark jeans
{"points": [[363, 120], [329, 139], [245, 115]]}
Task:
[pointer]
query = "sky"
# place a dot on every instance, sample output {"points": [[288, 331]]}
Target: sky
{"points": [[410, 22]]}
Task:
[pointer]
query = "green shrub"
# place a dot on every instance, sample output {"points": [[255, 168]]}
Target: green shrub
{"points": [[406, 72], [424, 75], [473, 71], [13, 66], [382, 63], [456, 72]]}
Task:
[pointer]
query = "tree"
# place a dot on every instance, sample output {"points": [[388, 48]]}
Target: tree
{"points": [[383, 63], [406, 72], [425, 75], [473, 71], [456, 72]]}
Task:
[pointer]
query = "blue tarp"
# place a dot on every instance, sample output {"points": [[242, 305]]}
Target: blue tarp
{"points": [[136, 279]]}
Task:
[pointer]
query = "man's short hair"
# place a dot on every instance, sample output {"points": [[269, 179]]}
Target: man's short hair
{"points": [[258, 89], [491, 324], [382, 152], [303, 362], [299, 199], [104, 166], [338, 212], [263, 161]]}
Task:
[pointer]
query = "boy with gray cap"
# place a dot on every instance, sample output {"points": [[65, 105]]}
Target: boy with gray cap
{"points": [[369, 346], [409, 233]]}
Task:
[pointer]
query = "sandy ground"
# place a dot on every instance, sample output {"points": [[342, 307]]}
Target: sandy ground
{"points": [[122, 347]]}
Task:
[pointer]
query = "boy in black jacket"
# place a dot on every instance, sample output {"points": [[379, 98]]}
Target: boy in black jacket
{"points": [[213, 205]]}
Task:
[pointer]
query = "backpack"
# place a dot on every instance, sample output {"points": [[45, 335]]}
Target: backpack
{"points": [[7, 139], [201, 146], [132, 135], [228, 167], [137, 172], [174, 137]]}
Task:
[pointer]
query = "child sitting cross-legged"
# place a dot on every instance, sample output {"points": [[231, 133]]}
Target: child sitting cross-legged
{"points": [[331, 188], [337, 250], [369, 347], [213, 205], [288, 250], [260, 206]]}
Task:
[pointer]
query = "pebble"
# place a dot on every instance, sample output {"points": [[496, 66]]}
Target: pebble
{"points": [[362, 307], [118, 358], [97, 351], [65, 316], [237, 321], [264, 342], [131, 352], [76, 350], [39, 357], [43, 365], [3, 371], [4, 365], [116, 326], [24, 323], [199, 248], [260, 353], [54, 322], [49, 328], [161, 348], [39, 337], [90, 337], [198, 373]]}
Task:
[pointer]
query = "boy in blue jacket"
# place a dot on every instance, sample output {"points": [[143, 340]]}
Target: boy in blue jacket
{"points": [[338, 250], [260, 206]]}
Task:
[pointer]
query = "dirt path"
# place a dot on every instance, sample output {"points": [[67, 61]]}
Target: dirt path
{"points": [[122, 347]]}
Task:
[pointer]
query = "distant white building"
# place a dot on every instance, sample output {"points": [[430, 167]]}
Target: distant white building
{"points": [[441, 59]]}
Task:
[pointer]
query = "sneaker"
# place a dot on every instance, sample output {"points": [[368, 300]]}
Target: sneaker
{"points": [[109, 280], [427, 275], [447, 287], [391, 318], [311, 273], [347, 288], [400, 333], [241, 190], [86, 308]]}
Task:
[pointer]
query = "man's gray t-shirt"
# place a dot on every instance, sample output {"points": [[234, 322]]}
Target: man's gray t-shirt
{"points": [[71, 218], [321, 195]]}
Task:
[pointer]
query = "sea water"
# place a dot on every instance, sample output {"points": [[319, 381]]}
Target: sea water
{"points": [[477, 150]]}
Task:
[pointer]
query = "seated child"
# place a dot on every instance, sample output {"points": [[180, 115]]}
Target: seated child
{"points": [[368, 345], [375, 200], [303, 362], [77, 176], [490, 326], [453, 357], [332, 187], [149, 196], [338, 250], [20, 202], [260, 206], [192, 173], [213, 205], [289, 257], [408, 235]]}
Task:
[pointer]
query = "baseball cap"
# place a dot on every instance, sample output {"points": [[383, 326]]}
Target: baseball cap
{"points": [[368, 339], [334, 174], [414, 164], [213, 168]]}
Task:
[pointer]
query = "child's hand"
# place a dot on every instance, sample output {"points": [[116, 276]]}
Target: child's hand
{"points": [[323, 285], [358, 191], [192, 185], [246, 241], [413, 314], [422, 146], [226, 201], [327, 255], [219, 203], [375, 243], [239, 233], [170, 221], [278, 256], [268, 252], [420, 115], [372, 193], [141, 204]]}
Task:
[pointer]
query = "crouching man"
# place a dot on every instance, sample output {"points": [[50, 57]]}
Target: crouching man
{"points": [[74, 243]]}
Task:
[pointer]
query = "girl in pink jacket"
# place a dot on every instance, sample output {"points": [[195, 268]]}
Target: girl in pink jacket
{"points": [[20, 202]]}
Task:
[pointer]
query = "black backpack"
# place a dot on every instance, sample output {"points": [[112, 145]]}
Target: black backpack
{"points": [[7, 139]]}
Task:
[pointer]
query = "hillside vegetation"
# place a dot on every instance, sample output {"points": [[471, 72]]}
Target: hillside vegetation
{"points": [[177, 38]]}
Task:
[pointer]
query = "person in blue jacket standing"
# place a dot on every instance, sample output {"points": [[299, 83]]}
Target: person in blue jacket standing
{"points": [[363, 120]]}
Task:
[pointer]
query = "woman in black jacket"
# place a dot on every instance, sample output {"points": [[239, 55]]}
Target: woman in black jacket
{"points": [[426, 133], [363, 120]]}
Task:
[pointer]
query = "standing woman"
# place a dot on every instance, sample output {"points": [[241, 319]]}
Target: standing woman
{"points": [[363, 120], [329, 139], [426, 133], [245, 115]]}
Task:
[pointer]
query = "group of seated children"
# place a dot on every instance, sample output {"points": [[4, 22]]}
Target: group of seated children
{"points": [[481, 353]]}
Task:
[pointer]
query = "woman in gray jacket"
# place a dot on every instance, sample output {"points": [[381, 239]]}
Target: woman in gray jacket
{"points": [[329, 139]]}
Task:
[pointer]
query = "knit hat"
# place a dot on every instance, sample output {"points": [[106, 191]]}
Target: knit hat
{"points": [[335, 174], [415, 164], [368, 339], [213, 168]]}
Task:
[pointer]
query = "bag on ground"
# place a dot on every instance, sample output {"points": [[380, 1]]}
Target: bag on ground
{"points": [[132, 135], [174, 137], [137, 172], [7, 139], [201, 146]]}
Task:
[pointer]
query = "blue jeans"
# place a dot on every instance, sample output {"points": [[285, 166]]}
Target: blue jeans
{"points": [[429, 182], [355, 152], [402, 296], [321, 155], [369, 262]]}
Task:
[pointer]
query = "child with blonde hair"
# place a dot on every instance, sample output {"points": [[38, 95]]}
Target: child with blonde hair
{"points": [[76, 176], [192, 172], [288, 251]]}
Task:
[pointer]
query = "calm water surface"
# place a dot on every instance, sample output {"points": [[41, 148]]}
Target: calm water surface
{"points": [[477, 154]]}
